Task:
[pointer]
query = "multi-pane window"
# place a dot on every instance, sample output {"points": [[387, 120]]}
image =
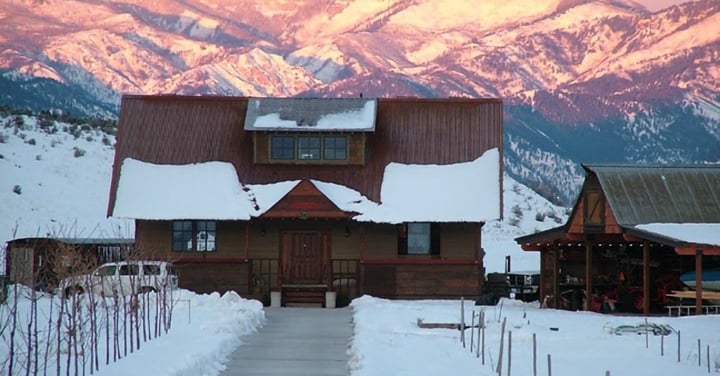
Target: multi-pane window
{"points": [[205, 236], [335, 147], [308, 147], [194, 236], [282, 148]]}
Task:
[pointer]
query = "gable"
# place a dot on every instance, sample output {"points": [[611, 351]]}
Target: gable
{"points": [[661, 194], [305, 201]]}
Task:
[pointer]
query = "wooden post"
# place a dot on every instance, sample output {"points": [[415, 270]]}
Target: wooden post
{"points": [[662, 345], [647, 340], [678, 346], [699, 354], [500, 353], [509, 351], [698, 281], [588, 275], [472, 331], [646, 277], [247, 240], [462, 321], [534, 354], [708, 357], [483, 344], [549, 366], [556, 276]]}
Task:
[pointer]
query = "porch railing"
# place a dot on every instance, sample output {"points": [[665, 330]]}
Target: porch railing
{"points": [[345, 277], [264, 276]]}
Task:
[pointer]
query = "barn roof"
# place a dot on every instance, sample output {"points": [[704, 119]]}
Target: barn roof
{"points": [[640, 194], [311, 114]]}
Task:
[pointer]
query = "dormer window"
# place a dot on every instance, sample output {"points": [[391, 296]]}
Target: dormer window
{"points": [[308, 148], [310, 130]]}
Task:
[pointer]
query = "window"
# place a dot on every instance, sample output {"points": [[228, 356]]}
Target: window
{"points": [[282, 148], [129, 269], [419, 238], [308, 147], [205, 236], [105, 271], [194, 236], [151, 269], [335, 148]]}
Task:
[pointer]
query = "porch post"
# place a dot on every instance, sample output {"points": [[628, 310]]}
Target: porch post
{"points": [[646, 277], [698, 281], [556, 273], [588, 274]]}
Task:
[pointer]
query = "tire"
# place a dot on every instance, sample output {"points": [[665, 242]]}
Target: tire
{"points": [[147, 289], [74, 290]]}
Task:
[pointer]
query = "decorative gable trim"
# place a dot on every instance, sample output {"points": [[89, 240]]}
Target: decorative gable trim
{"points": [[305, 201]]}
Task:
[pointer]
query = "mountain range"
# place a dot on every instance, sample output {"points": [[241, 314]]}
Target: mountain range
{"points": [[583, 81]]}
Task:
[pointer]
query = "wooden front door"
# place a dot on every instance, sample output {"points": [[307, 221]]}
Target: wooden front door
{"points": [[303, 257]]}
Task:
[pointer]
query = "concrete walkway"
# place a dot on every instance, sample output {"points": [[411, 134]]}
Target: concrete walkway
{"points": [[296, 341]]}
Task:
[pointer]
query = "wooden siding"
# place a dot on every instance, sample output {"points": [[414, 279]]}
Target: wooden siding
{"points": [[422, 281], [154, 240], [356, 150], [380, 241], [211, 277], [459, 241], [182, 130]]}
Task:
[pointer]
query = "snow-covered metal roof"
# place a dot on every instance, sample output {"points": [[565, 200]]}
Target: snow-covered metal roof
{"points": [[311, 114]]}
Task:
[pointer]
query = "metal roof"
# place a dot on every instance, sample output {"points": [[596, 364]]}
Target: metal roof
{"points": [[641, 194], [311, 114]]}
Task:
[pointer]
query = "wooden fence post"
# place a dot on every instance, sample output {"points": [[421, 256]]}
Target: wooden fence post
{"points": [[549, 366], [534, 354], [699, 356], [462, 321], [472, 331], [500, 353], [678, 346], [509, 351]]}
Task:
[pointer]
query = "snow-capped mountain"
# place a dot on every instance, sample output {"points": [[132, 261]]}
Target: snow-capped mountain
{"points": [[582, 80]]}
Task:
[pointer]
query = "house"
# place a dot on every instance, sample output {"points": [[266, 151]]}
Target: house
{"points": [[305, 195], [43, 261], [632, 231]]}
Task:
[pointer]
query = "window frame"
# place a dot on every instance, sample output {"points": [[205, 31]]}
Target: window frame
{"points": [[194, 243], [287, 154], [304, 147], [334, 148]]}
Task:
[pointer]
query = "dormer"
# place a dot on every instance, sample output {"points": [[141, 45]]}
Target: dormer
{"points": [[310, 130]]}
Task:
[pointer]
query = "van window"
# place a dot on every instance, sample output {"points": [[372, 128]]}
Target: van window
{"points": [[129, 269], [151, 269], [106, 270]]}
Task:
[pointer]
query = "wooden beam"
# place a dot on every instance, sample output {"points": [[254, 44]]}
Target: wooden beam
{"points": [[247, 240], [690, 250], [588, 275], [698, 281], [646, 277]]}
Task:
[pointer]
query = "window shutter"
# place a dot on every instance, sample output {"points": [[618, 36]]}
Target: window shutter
{"points": [[402, 239], [435, 239]]}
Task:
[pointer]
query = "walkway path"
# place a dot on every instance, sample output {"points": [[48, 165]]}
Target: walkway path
{"points": [[296, 341]]}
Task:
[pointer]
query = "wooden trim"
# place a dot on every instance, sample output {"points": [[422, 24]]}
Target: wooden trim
{"points": [[233, 260], [420, 261], [698, 281], [691, 249], [588, 275], [646, 277]]}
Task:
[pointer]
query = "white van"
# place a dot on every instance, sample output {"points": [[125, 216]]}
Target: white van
{"points": [[123, 278]]}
